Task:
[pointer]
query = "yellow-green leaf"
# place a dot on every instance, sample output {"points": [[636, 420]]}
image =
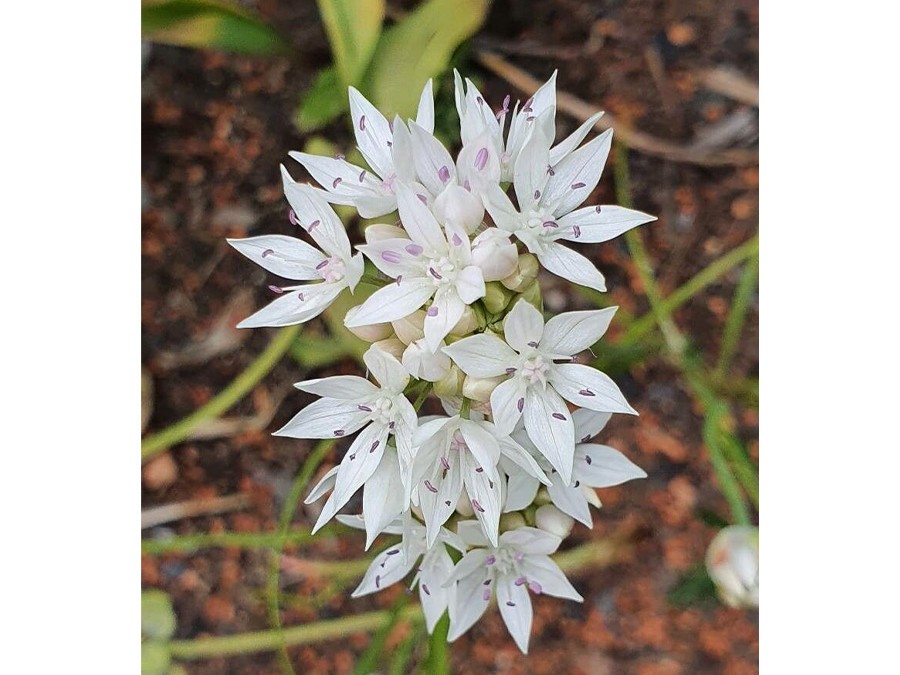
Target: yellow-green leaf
{"points": [[353, 27], [324, 101]]}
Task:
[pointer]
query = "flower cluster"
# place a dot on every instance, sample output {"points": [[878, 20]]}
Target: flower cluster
{"points": [[450, 300]]}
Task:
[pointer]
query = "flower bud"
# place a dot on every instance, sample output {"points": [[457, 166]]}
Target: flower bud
{"points": [[450, 386], [495, 254], [732, 561], [464, 506], [371, 333], [422, 364], [512, 521], [392, 346], [382, 231], [410, 328], [525, 272], [480, 388], [532, 295], [457, 206], [552, 520], [467, 323], [496, 297]]}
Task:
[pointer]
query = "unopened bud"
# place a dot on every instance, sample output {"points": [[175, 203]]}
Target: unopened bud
{"points": [[552, 520], [467, 324], [371, 333], [732, 561], [525, 272], [457, 206], [450, 386], [382, 231], [410, 328], [532, 295], [392, 346], [464, 506], [480, 388], [496, 297], [424, 365], [512, 521], [495, 254]]}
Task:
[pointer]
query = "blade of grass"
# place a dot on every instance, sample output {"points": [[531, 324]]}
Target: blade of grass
{"points": [[737, 314], [369, 661], [403, 654], [438, 650]]}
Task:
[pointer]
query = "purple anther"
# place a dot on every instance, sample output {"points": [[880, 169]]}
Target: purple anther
{"points": [[457, 240], [275, 289], [398, 279], [340, 156], [425, 588], [520, 404], [481, 158], [430, 487], [321, 264], [364, 408], [352, 457], [393, 551], [391, 425], [490, 560], [486, 595], [377, 581], [521, 580], [519, 556], [586, 392], [300, 296], [447, 502], [374, 447], [491, 483], [480, 100], [559, 416], [433, 272], [533, 344], [293, 217], [362, 123], [414, 249], [587, 458], [268, 251], [550, 170], [313, 225], [390, 145], [487, 582], [506, 101], [510, 371], [467, 185], [432, 311], [478, 507], [391, 256], [527, 107], [362, 175], [535, 587], [530, 118], [336, 182], [537, 195], [577, 483], [339, 432], [444, 174], [479, 469], [598, 208], [510, 603], [576, 231], [445, 463], [576, 186], [550, 223]]}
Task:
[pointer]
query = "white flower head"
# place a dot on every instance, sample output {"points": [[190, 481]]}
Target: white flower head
{"points": [[537, 385], [521, 562], [732, 561], [334, 266]]}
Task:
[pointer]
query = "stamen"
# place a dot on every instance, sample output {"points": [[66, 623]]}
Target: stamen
{"points": [[530, 118], [336, 182], [490, 560], [478, 507], [313, 225], [393, 551], [491, 483], [559, 416], [527, 107], [550, 170], [364, 408], [414, 249], [423, 199], [293, 217], [339, 432], [340, 156], [430, 487], [587, 458], [576, 186], [321, 264], [510, 603], [434, 273], [444, 174], [456, 240], [374, 446], [300, 296], [362, 175], [549, 223], [399, 277], [586, 392], [521, 580], [533, 344], [445, 463], [391, 425], [487, 582], [391, 257], [275, 289], [362, 123], [510, 371], [390, 145], [481, 159], [486, 595], [268, 251], [377, 581], [432, 311], [535, 587], [576, 230], [506, 101], [479, 469], [598, 208], [467, 185], [425, 588], [577, 483], [480, 100], [520, 404], [537, 195], [447, 502]]}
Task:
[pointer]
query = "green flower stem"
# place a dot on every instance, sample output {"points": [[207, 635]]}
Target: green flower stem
{"points": [[156, 443], [438, 649], [734, 323], [194, 542]]}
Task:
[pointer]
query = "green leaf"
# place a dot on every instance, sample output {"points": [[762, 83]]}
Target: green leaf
{"points": [[417, 48], [353, 28], [155, 658], [694, 588], [325, 100], [157, 615], [207, 23]]}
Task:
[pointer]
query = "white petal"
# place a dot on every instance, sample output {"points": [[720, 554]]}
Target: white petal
{"points": [[482, 444], [566, 263], [484, 493], [434, 165], [381, 231], [522, 458], [589, 423], [521, 489], [467, 603], [287, 257], [573, 140], [530, 175], [472, 535], [570, 500], [577, 175], [384, 497], [345, 387], [523, 327], [446, 310], [554, 437], [423, 364], [515, 607], [573, 332], [470, 284], [460, 207], [418, 220], [389, 372], [295, 306], [316, 217], [404, 417], [402, 152], [373, 133], [387, 569], [587, 387], [395, 257], [590, 226], [501, 209], [607, 466], [358, 464], [507, 403], [357, 522], [550, 577], [436, 567], [324, 485], [531, 540], [425, 112], [373, 206], [439, 506], [478, 165], [392, 302], [544, 98], [339, 178], [324, 417], [482, 355]]}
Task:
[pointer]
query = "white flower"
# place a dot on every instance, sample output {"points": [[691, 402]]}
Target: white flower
{"points": [[520, 563], [732, 561], [495, 254], [395, 562], [351, 403], [434, 262], [537, 384], [386, 147], [594, 466], [423, 364], [291, 258], [547, 196]]}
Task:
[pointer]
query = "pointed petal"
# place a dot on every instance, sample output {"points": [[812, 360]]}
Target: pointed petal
{"points": [[523, 327], [324, 485], [467, 603], [482, 444], [573, 140], [436, 567], [521, 489], [439, 506], [570, 500], [324, 417], [573, 332], [482, 355], [589, 423], [595, 224], [425, 112], [287, 257], [501, 209], [478, 165], [576, 175], [402, 152], [607, 466], [484, 492], [531, 540], [387, 569], [523, 459], [296, 306], [317, 217], [566, 263], [344, 387], [384, 497], [389, 372], [472, 535], [405, 420], [550, 577], [530, 175], [373, 133], [434, 165], [418, 220], [392, 302], [470, 284], [339, 178], [395, 257], [515, 607], [549, 426], [444, 313], [507, 403], [587, 387]]}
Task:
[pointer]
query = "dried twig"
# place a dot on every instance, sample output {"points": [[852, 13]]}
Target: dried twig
{"points": [[728, 82], [634, 139], [191, 509]]}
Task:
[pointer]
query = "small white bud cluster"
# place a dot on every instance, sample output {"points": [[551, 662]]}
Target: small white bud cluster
{"points": [[455, 312]]}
